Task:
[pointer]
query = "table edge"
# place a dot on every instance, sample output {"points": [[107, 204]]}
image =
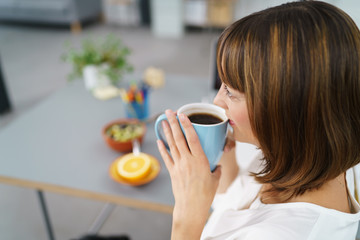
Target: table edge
{"points": [[87, 194]]}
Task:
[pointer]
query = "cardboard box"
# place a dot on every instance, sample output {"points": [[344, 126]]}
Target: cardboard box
{"points": [[220, 12]]}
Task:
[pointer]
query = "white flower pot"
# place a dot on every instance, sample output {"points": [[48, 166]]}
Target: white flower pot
{"points": [[94, 77]]}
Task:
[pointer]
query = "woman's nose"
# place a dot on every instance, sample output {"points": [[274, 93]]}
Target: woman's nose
{"points": [[218, 100]]}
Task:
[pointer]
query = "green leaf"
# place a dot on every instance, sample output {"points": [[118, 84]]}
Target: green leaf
{"points": [[109, 50]]}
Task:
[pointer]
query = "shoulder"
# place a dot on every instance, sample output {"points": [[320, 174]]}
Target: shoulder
{"points": [[262, 223], [296, 221]]}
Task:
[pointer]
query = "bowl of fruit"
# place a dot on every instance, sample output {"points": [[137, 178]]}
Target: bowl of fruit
{"points": [[120, 134]]}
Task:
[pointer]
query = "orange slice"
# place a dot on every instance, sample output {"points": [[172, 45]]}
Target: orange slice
{"points": [[134, 167]]}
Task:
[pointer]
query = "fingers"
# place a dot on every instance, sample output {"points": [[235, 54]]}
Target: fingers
{"points": [[191, 136], [217, 172], [180, 146], [169, 163], [178, 136], [230, 142], [170, 140]]}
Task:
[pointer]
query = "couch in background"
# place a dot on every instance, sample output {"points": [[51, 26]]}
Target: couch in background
{"points": [[72, 12]]}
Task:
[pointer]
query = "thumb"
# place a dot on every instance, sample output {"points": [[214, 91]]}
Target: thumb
{"points": [[230, 144], [217, 172]]}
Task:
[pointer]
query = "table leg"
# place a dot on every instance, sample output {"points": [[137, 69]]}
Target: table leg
{"points": [[4, 99], [101, 218], [45, 214]]}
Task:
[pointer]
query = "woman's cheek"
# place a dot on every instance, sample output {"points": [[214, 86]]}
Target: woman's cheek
{"points": [[241, 124]]}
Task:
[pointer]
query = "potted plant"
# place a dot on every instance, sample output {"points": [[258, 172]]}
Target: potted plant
{"points": [[99, 63]]}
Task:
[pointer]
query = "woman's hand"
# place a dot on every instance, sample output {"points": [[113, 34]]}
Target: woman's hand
{"points": [[230, 142], [194, 185]]}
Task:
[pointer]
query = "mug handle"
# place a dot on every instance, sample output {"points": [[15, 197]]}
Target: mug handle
{"points": [[161, 118]]}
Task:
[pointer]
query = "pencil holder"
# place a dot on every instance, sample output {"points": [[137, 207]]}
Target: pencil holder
{"points": [[139, 110]]}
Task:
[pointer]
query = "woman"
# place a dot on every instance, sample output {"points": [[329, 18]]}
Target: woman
{"points": [[291, 86]]}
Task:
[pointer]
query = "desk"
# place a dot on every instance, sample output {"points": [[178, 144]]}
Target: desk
{"points": [[57, 146]]}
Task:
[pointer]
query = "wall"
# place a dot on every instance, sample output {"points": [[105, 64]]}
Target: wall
{"points": [[351, 7], [246, 7], [167, 18], [168, 15]]}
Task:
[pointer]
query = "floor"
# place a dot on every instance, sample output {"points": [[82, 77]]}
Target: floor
{"points": [[33, 70]]}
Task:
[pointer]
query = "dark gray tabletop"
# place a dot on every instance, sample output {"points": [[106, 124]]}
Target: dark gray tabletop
{"points": [[57, 146]]}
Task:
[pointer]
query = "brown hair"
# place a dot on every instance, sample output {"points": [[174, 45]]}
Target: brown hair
{"points": [[298, 65]]}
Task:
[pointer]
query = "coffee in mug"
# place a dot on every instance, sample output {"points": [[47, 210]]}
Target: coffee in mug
{"points": [[204, 118]]}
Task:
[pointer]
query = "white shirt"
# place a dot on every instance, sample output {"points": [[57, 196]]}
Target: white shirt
{"points": [[237, 215]]}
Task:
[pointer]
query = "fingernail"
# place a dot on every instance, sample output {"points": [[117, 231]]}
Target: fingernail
{"points": [[182, 117], [167, 112]]}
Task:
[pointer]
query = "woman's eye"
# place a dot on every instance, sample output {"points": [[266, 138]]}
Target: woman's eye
{"points": [[228, 93]]}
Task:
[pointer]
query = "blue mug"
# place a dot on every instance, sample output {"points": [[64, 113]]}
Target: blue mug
{"points": [[212, 136]]}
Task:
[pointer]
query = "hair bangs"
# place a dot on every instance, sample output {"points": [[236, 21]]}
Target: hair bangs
{"points": [[230, 60]]}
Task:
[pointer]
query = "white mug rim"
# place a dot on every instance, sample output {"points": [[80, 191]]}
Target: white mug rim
{"points": [[218, 111]]}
